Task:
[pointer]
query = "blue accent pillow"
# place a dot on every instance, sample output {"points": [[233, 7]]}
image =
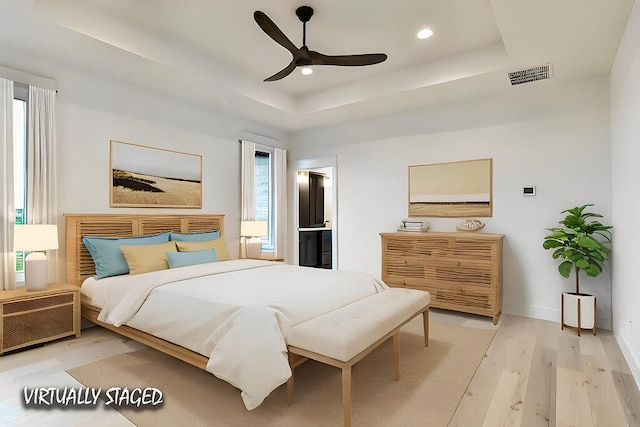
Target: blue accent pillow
{"points": [[195, 237], [182, 259], [108, 257]]}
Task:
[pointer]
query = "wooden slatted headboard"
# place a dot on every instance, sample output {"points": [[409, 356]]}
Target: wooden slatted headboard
{"points": [[79, 262]]}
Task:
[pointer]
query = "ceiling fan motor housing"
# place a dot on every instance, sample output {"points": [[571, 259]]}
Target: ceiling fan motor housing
{"points": [[304, 13]]}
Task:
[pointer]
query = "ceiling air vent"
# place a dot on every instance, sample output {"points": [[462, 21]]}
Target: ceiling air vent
{"points": [[532, 74]]}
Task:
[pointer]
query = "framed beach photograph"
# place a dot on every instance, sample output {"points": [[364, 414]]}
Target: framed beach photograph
{"points": [[454, 189], [144, 176]]}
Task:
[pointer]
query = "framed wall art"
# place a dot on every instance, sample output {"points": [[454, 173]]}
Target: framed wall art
{"points": [[144, 176], [454, 189]]}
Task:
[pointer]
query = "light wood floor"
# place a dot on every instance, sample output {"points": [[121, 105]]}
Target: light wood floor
{"points": [[534, 374]]}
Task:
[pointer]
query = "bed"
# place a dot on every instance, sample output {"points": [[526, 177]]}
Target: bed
{"points": [[274, 296]]}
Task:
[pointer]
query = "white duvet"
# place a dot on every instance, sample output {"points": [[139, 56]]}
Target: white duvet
{"points": [[237, 313]]}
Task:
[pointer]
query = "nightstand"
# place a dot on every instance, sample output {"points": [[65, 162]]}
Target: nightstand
{"points": [[33, 317]]}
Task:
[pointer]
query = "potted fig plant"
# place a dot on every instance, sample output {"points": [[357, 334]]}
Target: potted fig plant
{"points": [[581, 244]]}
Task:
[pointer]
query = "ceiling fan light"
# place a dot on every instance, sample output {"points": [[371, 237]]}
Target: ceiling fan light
{"points": [[306, 71], [425, 33]]}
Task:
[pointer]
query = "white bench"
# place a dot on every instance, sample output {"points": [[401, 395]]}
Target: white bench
{"points": [[344, 336]]}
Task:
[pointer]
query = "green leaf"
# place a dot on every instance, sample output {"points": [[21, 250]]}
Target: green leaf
{"points": [[548, 244], [590, 215], [573, 255], [582, 263], [588, 242], [565, 268], [605, 249], [593, 270], [556, 234]]}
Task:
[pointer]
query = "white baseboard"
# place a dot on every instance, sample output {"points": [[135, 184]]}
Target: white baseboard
{"points": [[632, 361], [545, 313]]}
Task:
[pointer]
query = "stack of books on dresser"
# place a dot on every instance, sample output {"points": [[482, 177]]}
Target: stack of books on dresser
{"points": [[414, 224]]}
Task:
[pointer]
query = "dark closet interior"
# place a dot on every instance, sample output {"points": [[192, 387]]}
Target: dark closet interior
{"points": [[315, 245], [311, 196]]}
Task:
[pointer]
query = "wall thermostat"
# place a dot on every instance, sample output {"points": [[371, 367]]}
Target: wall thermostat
{"points": [[529, 190]]}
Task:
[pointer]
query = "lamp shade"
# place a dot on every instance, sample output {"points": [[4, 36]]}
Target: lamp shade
{"points": [[35, 237], [253, 228]]}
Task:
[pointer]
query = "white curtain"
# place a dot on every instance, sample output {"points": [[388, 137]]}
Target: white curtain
{"points": [[248, 188], [41, 165], [248, 180], [280, 188], [7, 208]]}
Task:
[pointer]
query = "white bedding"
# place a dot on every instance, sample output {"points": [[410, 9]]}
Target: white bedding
{"points": [[237, 312], [92, 290]]}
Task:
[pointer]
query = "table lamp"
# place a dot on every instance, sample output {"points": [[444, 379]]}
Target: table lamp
{"points": [[35, 238], [253, 231]]}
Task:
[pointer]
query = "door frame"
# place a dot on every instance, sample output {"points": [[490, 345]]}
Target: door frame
{"points": [[311, 164]]}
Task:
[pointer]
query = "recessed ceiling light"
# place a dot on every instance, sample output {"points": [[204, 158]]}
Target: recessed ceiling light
{"points": [[306, 71], [425, 33]]}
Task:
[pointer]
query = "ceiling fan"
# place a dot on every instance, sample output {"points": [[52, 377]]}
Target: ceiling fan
{"points": [[303, 56]]}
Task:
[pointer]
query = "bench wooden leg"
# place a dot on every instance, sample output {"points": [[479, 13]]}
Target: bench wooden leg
{"points": [[425, 320], [346, 394], [290, 389], [396, 354]]}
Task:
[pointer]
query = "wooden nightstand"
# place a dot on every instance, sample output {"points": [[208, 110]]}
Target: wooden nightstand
{"points": [[32, 317]]}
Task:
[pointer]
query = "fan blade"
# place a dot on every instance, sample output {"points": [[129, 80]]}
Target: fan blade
{"points": [[282, 74], [347, 60], [272, 30]]}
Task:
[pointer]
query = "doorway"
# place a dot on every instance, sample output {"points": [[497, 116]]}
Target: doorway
{"points": [[315, 224]]}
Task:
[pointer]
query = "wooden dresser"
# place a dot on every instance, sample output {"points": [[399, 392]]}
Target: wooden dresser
{"points": [[461, 271]]}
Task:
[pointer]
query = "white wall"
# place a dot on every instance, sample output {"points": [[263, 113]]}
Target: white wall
{"points": [[553, 134], [625, 157], [92, 111]]}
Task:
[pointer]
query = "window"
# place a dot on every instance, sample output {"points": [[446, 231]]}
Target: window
{"points": [[264, 194], [19, 164]]}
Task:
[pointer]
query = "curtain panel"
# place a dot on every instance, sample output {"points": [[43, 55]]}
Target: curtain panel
{"points": [[41, 165], [7, 206], [248, 180], [280, 188]]}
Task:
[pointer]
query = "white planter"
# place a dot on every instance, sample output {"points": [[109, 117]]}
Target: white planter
{"points": [[579, 311]]}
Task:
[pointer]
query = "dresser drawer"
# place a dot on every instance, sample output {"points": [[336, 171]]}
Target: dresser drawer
{"points": [[37, 326], [37, 304], [446, 271]]}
